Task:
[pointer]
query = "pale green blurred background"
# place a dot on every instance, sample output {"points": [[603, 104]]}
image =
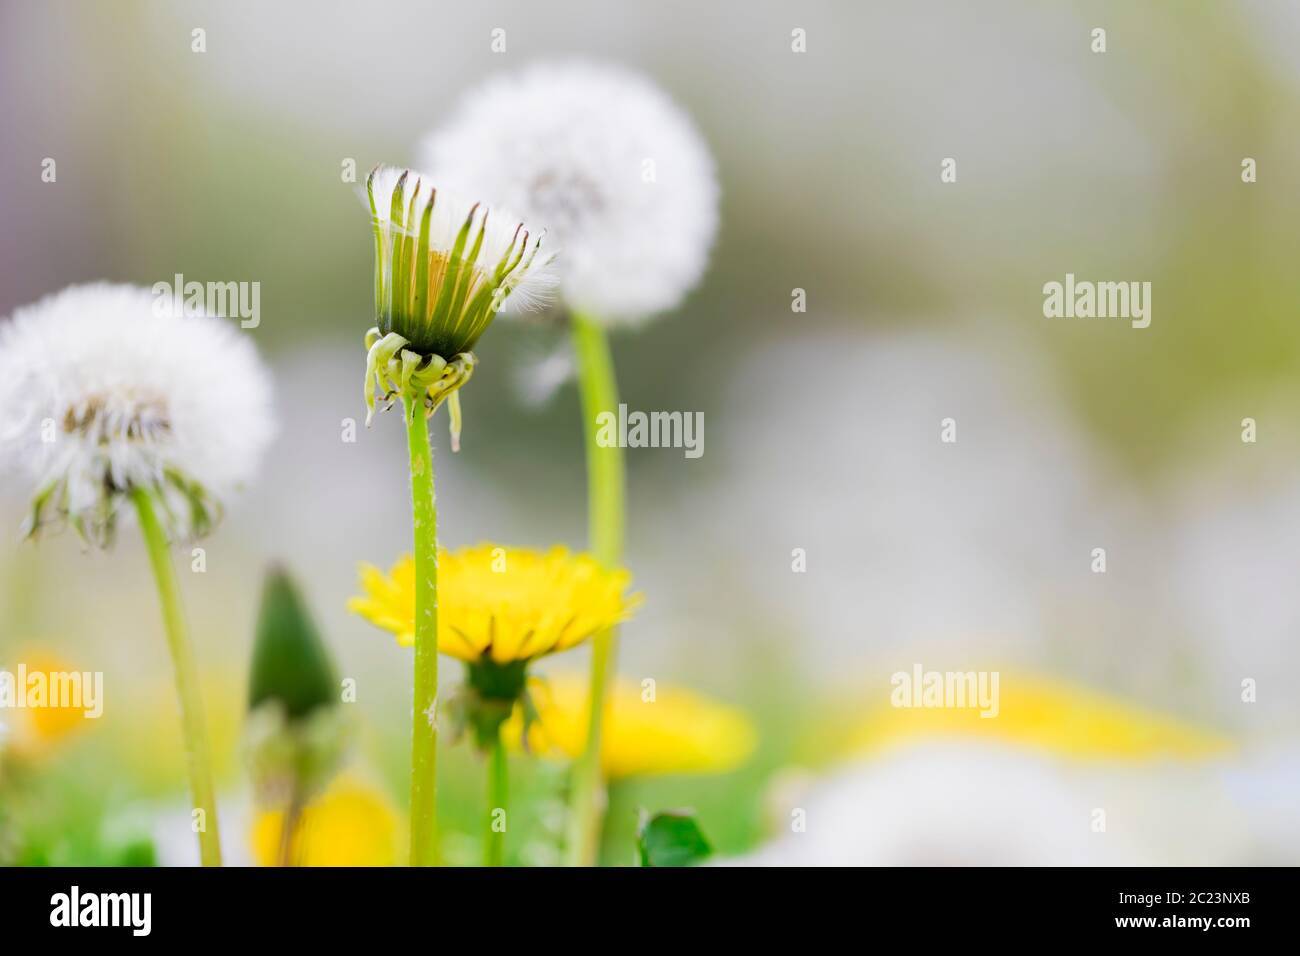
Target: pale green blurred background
{"points": [[821, 429]]}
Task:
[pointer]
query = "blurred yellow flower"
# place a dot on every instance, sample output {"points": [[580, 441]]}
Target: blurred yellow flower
{"points": [[1061, 718], [678, 731], [65, 700], [501, 604], [350, 824]]}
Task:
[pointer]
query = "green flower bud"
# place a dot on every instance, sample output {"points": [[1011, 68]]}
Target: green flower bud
{"points": [[443, 268], [290, 663]]}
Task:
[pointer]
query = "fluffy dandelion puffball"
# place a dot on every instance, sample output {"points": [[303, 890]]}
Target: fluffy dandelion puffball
{"points": [[107, 390], [609, 162], [445, 265], [672, 730], [502, 605]]}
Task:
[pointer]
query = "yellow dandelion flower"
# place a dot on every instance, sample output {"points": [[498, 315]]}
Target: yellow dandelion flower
{"points": [[678, 731], [57, 699], [58, 718], [350, 824], [1054, 716], [501, 605]]}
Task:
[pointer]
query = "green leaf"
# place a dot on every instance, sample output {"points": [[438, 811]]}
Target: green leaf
{"points": [[290, 663], [672, 838], [139, 852]]}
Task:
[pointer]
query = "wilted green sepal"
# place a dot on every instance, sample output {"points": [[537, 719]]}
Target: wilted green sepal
{"points": [[672, 838], [290, 663]]}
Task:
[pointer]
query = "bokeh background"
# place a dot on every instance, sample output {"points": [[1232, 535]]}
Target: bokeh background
{"points": [[821, 428]]}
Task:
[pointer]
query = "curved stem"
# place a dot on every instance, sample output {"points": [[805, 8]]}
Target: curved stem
{"points": [[605, 518], [197, 753], [498, 795], [424, 726]]}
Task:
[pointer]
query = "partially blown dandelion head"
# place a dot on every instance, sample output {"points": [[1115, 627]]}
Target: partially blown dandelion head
{"points": [[107, 391], [608, 162], [672, 730], [444, 267]]}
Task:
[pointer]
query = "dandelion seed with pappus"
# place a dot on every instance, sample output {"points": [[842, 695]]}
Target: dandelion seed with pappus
{"points": [[116, 402], [444, 267]]}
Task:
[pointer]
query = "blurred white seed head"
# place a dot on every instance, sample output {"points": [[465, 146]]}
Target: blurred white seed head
{"points": [[608, 162], [541, 375], [985, 803], [106, 390]]}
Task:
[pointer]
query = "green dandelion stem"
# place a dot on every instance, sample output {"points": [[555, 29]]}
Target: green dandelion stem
{"points": [[424, 729], [498, 796], [197, 753], [619, 809], [289, 824], [605, 518]]}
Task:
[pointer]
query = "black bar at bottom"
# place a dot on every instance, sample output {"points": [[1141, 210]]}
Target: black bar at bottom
{"points": [[332, 906]]}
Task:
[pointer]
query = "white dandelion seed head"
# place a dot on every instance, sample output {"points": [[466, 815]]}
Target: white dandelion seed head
{"points": [[613, 167], [106, 390]]}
